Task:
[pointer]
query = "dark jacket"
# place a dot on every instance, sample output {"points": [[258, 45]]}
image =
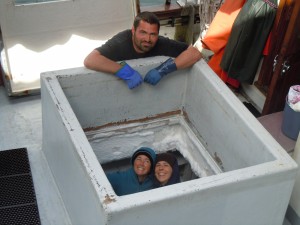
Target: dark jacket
{"points": [[126, 182], [248, 36]]}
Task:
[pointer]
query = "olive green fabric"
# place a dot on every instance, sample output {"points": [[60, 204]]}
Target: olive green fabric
{"points": [[247, 39]]}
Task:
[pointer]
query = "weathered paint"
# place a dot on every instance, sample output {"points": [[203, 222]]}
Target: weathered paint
{"points": [[253, 188]]}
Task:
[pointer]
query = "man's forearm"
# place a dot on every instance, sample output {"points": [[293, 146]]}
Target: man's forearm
{"points": [[188, 58], [96, 61]]}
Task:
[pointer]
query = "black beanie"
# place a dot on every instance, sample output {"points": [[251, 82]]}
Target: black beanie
{"points": [[168, 157]]}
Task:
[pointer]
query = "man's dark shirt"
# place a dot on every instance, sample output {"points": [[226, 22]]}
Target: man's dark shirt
{"points": [[120, 47]]}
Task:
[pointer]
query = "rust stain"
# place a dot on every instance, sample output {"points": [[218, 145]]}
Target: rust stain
{"points": [[161, 115], [218, 160], [26, 92], [185, 115], [109, 199]]}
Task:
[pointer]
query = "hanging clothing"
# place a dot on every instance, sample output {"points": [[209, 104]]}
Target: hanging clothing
{"points": [[268, 45], [247, 40], [218, 34], [214, 64]]}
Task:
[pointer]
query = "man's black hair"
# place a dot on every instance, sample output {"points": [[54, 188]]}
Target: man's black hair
{"points": [[148, 17]]}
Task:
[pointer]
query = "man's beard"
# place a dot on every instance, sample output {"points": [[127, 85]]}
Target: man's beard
{"points": [[139, 44]]}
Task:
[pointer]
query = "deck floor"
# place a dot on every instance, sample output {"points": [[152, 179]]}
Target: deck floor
{"points": [[21, 127]]}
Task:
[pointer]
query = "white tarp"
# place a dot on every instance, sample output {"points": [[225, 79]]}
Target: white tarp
{"points": [[55, 35]]}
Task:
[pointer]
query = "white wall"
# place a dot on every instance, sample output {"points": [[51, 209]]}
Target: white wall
{"points": [[55, 35]]}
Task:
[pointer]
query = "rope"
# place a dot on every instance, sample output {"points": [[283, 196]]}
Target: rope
{"points": [[273, 5]]}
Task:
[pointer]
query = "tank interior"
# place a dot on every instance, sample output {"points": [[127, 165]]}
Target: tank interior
{"points": [[114, 145]]}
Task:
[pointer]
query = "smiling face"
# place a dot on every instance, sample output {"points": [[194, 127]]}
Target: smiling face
{"points": [[142, 166], [144, 37], [163, 172]]}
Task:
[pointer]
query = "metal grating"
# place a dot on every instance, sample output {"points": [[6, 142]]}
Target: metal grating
{"points": [[17, 196], [14, 162]]}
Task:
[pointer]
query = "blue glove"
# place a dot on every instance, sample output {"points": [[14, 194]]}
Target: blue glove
{"points": [[155, 75], [131, 77]]}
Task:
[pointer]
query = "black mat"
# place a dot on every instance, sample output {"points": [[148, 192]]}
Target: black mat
{"points": [[252, 109], [17, 196]]}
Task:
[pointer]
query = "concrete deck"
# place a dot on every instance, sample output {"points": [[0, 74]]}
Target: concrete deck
{"points": [[21, 126]]}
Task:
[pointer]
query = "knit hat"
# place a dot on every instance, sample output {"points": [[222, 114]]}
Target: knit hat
{"points": [[145, 151], [167, 157]]}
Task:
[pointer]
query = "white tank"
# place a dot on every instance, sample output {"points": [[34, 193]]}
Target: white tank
{"points": [[242, 175]]}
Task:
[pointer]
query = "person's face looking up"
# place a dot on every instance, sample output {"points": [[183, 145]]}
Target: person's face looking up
{"points": [[142, 166], [163, 172], [144, 37]]}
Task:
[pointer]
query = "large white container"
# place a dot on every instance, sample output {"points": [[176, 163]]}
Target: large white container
{"points": [[89, 118]]}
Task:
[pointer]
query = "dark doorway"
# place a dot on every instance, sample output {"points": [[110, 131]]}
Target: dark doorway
{"points": [[281, 68]]}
